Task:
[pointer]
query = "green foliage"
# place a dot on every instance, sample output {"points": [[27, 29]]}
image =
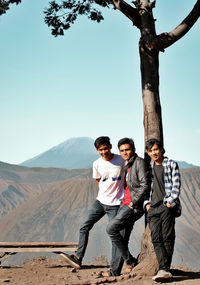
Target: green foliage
{"points": [[5, 5], [61, 14]]}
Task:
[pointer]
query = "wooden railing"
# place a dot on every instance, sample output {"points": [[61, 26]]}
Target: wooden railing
{"points": [[10, 248]]}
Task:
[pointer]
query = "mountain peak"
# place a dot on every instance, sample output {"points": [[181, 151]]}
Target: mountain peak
{"points": [[76, 152], [76, 143]]}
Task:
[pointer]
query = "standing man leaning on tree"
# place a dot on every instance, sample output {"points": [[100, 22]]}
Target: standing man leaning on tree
{"points": [[137, 189], [163, 206], [108, 173]]}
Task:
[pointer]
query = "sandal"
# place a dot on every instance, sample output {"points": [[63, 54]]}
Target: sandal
{"points": [[101, 274], [129, 267]]}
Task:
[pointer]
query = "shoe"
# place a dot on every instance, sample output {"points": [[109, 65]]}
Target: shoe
{"points": [[162, 275], [71, 260]]}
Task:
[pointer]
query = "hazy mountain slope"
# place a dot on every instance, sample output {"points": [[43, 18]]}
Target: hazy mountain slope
{"points": [[14, 194], [73, 153], [184, 164], [19, 184], [39, 218], [187, 245], [190, 197], [57, 214], [16, 173]]}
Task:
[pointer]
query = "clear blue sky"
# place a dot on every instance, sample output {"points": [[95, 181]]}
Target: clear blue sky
{"points": [[87, 83]]}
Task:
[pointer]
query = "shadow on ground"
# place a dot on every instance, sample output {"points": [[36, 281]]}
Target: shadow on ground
{"points": [[182, 275]]}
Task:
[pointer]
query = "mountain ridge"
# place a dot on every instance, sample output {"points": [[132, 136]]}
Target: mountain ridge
{"points": [[74, 153]]}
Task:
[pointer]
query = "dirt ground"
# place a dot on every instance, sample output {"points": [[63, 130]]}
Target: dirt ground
{"points": [[49, 271]]}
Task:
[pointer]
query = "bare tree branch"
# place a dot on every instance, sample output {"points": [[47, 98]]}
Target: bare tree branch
{"points": [[128, 11], [165, 40]]}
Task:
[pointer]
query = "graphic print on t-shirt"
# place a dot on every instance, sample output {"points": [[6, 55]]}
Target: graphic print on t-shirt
{"points": [[114, 173], [111, 188]]}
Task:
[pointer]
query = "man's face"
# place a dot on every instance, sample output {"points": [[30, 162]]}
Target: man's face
{"points": [[105, 151], [156, 154], [126, 151]]}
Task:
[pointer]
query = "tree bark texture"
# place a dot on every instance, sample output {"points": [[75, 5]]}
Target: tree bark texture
{"points": [[150, 94], [148, 264], [150, 45], [150, 74]]}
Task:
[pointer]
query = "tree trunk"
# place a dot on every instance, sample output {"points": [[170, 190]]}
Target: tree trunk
{"points": [[149, 58], [150, 94], [148, 264], [150, 74]]}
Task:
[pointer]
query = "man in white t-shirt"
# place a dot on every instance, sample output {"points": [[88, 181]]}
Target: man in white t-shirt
{"points": [[107, 170]]}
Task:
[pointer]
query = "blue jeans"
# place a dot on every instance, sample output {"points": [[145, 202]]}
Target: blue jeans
{"points": [[119, 230], [95, 213]]}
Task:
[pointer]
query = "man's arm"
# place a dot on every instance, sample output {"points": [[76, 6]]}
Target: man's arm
{"points": [[96, 175]]}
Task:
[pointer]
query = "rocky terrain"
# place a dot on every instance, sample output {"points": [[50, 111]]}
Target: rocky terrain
{"points": [[48, 271]]}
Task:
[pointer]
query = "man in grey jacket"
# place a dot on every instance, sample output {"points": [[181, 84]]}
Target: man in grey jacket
{"points": [[137, 189]]}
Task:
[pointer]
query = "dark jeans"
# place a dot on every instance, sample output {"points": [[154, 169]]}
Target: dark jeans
{"points": [[162, 226], [119, 230], [95, 213]]}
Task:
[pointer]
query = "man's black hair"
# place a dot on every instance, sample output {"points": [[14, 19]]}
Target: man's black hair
{"points": [[150, 143], [102, 140], [127, 141]]}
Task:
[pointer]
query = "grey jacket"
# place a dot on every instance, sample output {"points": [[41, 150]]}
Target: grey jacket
{"points": [[139, 182]]}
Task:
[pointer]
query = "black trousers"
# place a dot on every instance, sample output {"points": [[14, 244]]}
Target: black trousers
{"points": [[162, 226]]}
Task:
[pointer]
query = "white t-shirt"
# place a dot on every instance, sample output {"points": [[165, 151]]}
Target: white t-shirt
{"points": [[111, 188]]}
